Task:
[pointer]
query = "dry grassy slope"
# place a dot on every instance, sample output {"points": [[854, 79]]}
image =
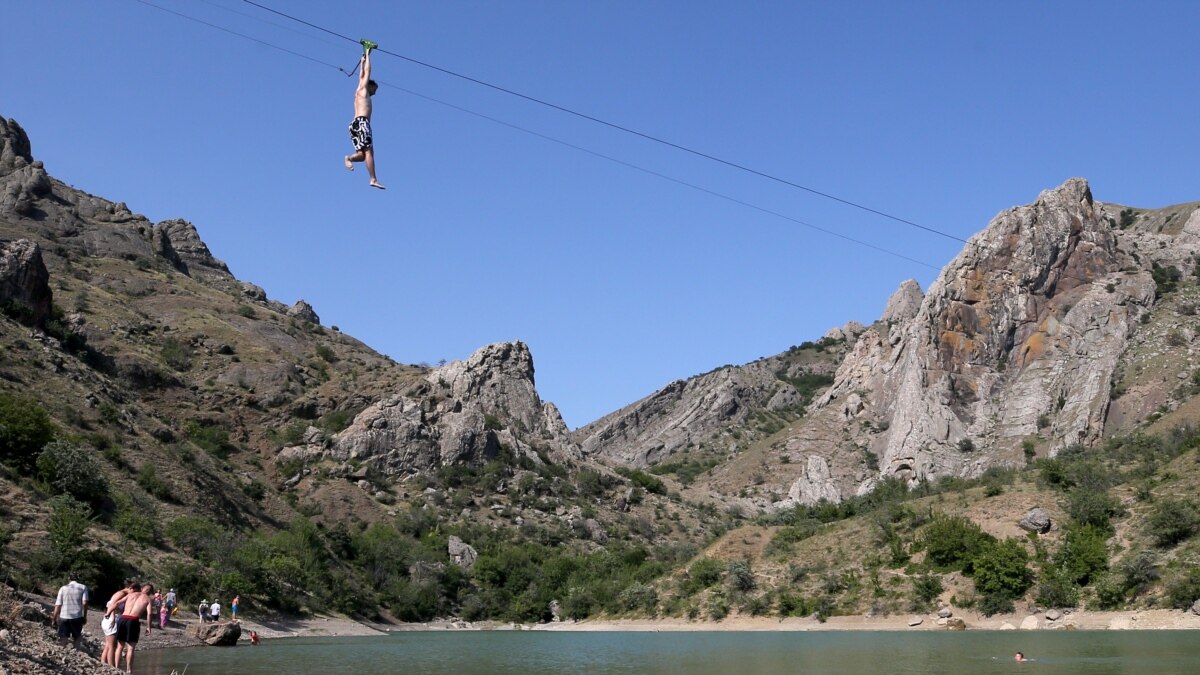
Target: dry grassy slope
{"points": [[748, 453], [180, 350], [251, 370]]}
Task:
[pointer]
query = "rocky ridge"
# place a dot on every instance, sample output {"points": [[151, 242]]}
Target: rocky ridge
{"points": [[1018, 340]]}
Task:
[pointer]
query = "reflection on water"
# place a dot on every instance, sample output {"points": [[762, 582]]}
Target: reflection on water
{"points": [[923, 653]]}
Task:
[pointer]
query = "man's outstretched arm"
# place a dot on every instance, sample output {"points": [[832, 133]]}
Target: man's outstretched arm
{"points": [[366, 68]]}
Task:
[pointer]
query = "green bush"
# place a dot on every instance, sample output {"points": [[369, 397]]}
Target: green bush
{"points": [[196, 536], [69, 522], [150, 482], [1139, 570], [1184, 591], [1110, 592], [639, 597], [1173, 521], [703, 573], [741, 577], [72, 470], [644, 480], [1057, 589], [1083, 554], [25, 429], [136, 519], [176, 354], [1094, 507], [210, 438], [794, 605], [1001, 569], [954, 542], [990, 605], [926, 588]]}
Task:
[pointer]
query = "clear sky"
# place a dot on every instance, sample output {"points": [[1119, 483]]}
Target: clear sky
{"points": [[620, 281]]}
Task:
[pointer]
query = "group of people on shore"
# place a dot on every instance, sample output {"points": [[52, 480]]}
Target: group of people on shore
{"points": [[123, 616], [212, 611]]}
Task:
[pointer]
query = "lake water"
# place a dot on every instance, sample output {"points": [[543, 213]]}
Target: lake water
{"points": [[491, 652]]}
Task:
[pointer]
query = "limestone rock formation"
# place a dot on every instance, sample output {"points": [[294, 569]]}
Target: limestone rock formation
{"points": [[304, 311], [689, 412], [904, 303], [462, 553], [182, 243], [463, 413], [1018, 336], [24, 280]]}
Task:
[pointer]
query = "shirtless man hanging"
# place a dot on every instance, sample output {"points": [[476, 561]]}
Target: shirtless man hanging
{"points": [[360, 128]]}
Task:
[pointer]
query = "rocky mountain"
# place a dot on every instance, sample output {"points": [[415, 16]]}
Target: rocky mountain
{"points": [[194, 401], [228, 441]]}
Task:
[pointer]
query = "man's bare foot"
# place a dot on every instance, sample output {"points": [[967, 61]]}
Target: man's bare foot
{"points": [[375, 184], [349, 165]]}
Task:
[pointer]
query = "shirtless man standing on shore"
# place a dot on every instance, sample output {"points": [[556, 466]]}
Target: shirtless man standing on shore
{"points": [[129, 624], [360, 128]]}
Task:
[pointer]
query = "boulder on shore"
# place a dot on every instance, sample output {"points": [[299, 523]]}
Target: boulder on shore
{"points": [[217, 634]]}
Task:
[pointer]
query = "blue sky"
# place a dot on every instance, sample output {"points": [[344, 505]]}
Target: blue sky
{"points": [[942, 113]]}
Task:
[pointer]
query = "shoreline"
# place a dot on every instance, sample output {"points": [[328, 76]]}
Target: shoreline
{"points": [[1067, 620]]}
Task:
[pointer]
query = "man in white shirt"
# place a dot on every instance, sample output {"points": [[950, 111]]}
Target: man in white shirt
{"points": [[70, 610], [215, 610]]}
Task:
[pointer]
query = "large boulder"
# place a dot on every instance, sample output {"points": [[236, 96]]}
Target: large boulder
{"points": [[304, 311], [24, 279], [217, 634], [462, 553], [1035, 520]]}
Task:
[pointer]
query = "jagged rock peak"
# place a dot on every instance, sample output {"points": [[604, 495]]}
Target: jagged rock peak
{"points": [[304, 311], [1018, 337], [15, 150], [22, 180], [180, 242], [24, 279], [487, 366], [904, 303], [850, 331]]}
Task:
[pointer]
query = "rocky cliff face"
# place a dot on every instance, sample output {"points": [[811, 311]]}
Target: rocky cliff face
{"points": [[1018, 339], [705, 410], [463, 413]]}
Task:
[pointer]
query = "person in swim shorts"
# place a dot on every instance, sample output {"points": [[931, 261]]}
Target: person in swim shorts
{"points": [[129, 624], [360, 128], [112, 611]]}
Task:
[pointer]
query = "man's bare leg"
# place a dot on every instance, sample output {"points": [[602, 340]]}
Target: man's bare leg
{"points": [[356, 157], [128, 658], [370, 159]]}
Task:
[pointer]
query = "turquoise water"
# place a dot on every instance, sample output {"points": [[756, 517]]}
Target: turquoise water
{"points": [[923, 653]]}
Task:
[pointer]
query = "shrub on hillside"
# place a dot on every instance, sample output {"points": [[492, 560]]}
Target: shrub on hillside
{"points": [[1001, 568], [1173, 521], [25, 429], [1184, 591], [703, 573], [1093, 506], [1083, 554], [72, 470], [69, 521], [926, 588], [954, 542], [741, 577]]}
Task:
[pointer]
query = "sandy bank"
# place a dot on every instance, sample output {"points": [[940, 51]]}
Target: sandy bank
{"points": [[1156, 619]]}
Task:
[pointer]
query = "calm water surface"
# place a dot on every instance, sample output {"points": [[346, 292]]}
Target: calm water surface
{"points": [[924, 653]]}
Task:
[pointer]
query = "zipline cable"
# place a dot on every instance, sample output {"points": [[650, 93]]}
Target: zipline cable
{"points": [[561, 142], [613, 125], [233, 32]]}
